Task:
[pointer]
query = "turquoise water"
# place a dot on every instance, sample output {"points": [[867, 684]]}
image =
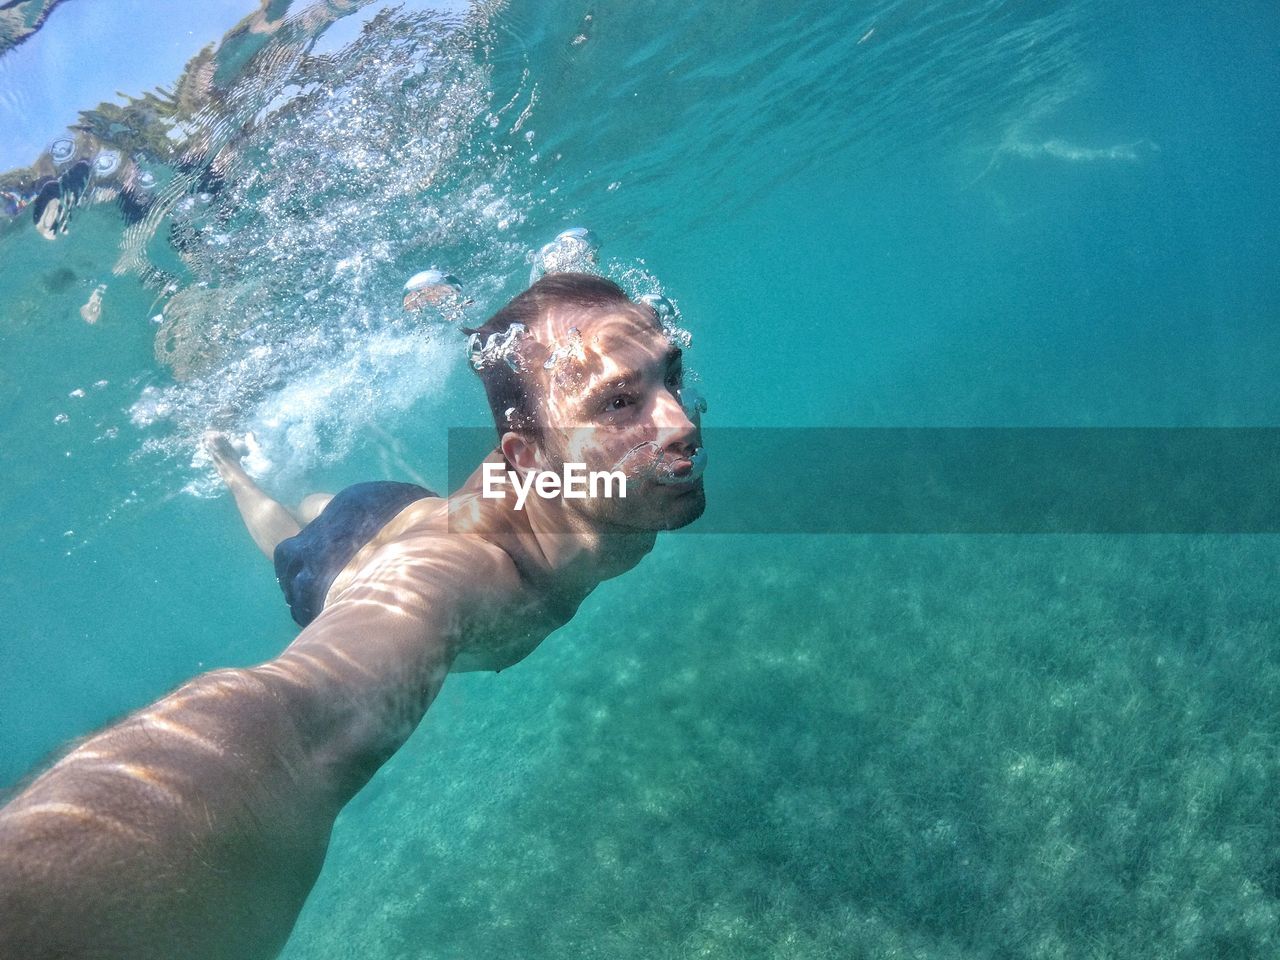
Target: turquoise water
{"points": [[894, 214]]}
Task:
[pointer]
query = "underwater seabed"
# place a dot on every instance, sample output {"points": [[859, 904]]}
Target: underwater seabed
{"points": [[925, 747]]}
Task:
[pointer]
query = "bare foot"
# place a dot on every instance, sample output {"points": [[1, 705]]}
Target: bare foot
{"points": [[225, 458], [268, 522]]}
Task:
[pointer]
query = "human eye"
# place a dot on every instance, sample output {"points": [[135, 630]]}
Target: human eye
{"points": [[618, 402]]}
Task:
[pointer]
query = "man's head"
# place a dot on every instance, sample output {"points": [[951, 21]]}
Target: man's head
{"points": [[595, 379]]}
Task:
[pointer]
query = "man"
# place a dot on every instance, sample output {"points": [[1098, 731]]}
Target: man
{"points": [[196, 827]]}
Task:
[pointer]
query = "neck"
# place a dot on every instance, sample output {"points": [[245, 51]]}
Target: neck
{"points": [[552, 547]]}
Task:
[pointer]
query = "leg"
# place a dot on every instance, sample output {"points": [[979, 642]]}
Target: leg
{"points": [[311, 506], [268, 521]]}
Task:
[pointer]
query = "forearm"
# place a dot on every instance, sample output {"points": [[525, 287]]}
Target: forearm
{"points": [[197, 827], [365, 675], [192, 828]]}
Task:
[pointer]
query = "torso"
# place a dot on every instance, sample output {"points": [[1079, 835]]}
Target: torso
{"points": [[514, 615]]}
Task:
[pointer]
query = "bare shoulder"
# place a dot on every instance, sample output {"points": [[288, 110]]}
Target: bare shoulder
{"points": [[417, 553], [417, 575]]}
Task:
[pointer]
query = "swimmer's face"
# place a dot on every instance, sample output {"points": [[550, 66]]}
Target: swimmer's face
{"points": [[611, 401]]}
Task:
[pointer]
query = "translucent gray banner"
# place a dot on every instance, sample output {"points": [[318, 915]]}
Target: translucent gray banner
{"points": [[976, 480]]}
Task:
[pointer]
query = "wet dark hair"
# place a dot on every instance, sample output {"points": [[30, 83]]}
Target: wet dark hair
{"points": [[508, 389]]}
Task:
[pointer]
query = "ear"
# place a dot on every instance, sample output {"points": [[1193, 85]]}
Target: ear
{"points": [[522, 453]]}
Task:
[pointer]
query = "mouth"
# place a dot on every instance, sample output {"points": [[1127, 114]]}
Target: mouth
{"points": [[684, 470], [647, 462]]}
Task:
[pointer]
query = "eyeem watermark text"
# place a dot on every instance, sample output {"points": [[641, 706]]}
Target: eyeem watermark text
{"points": [[575, 483]]}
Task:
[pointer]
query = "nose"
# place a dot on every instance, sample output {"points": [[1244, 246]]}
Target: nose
{"points": [[675, 431]]}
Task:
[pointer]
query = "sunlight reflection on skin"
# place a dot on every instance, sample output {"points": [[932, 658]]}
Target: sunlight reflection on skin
{"points": [[491, 595], [616, 348], [408, 560], [240, 773]]}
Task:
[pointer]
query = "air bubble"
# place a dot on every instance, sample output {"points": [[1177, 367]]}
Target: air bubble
{"points": [[663, 308], [575, 349], [692, 402], [269, 330], [62, 150], [572, 251], [433, 288], [648, 461], [496, 348], [106, 163]]}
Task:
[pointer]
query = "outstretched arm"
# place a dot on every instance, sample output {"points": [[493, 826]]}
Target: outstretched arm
{"points": [[196, 827]]}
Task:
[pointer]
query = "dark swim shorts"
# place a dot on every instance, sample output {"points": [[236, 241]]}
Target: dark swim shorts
{"points": [[307, 565]]}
